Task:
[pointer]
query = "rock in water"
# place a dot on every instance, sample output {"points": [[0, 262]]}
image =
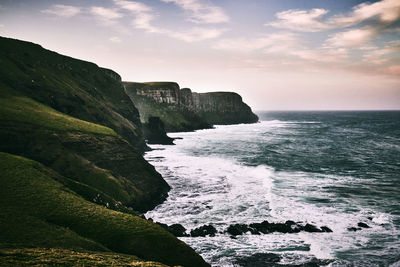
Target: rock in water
{"points": [[205, 230], [363, 225], [154, 132], [259, 260]]}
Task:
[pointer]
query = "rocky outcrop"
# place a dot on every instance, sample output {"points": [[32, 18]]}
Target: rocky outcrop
{"points": [[182, 109], [154, 132]]}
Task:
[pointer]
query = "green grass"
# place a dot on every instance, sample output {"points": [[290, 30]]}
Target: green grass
{"points": [[45, 212], [66, 257], [74, 87], [79, 150], [23, 109]]}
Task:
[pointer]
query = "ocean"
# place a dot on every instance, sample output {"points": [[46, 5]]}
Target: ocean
{"points": [[333, 169]]}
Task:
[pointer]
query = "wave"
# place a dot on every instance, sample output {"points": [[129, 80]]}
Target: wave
{"points": [[210, 184]]}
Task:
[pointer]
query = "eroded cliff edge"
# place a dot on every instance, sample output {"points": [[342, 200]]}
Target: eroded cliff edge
{"points": [[184, 110], [71, 168]]}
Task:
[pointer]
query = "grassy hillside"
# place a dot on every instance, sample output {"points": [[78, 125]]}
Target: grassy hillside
{"points": [[38, 211], [65, 257], [71, 171], [102, 166], [74, 87]]}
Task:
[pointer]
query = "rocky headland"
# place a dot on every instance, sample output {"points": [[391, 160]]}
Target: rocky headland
{"points": [[73, 179], [184, 110]]}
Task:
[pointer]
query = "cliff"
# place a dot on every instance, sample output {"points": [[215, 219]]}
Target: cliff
{"points": [[183, 110], [72, 172]]}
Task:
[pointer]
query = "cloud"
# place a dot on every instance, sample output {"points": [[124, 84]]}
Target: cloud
{"points": [[379, 55], [105, 13], [63, 11], [115, 39], [301, 20], [201, 11], [144, 21], [136, 7], [393, 70], [270, 43], [384, 12], [196, 34], [321, 55], [352, 38], [287, 47], [144, 17]]}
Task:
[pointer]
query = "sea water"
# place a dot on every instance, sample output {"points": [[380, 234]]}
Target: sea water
{"points": [[332, 169]]}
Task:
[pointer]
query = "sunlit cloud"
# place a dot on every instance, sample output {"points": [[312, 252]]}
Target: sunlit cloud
{"points": [[384, 12], [352, 38], [115, 39], [393, 70], [105, 13], [144, 17], [379, 55], [201, 11], [269, 43], [196, 34], [132, 6], [322, 55], [63, 11], [301, 20]]}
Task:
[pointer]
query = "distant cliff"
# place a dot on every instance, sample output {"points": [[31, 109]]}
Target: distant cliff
{"points": [[182, 109]]}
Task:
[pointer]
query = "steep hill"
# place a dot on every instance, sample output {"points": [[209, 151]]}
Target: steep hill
{"points": [[72, 174], [38, 211], [74, 87]]}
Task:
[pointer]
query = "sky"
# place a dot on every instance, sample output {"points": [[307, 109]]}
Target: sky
{"points": [[277, 54]]}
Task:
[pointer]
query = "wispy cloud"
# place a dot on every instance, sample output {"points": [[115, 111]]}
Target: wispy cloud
{"points": [[379, 55], [301, 20], [270, 43], [136, 7], [201, 11], [352, 38], [105, 13], [115, 39], [322, 55], [144, 17], [196, 34], [286, 46], [63, 11], [384, 12]]}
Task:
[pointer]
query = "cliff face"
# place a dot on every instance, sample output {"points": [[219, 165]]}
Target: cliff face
{"points": [[189, 109], [163, 100], [72, 172], [219, 107]]}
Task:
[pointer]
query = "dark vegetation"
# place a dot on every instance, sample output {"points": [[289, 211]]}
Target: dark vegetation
{"points": [[72, 175]]}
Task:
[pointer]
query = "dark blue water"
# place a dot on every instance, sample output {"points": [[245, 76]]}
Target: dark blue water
{"points": [[327, 168]]}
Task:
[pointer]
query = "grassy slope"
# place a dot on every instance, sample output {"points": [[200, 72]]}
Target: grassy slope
{"points": [[74, 87], [65, 257], [15, 107], [31, 196], [103, 167]]}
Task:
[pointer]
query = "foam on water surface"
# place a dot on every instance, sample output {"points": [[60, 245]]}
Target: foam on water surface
{"points": [[214, 180]]}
